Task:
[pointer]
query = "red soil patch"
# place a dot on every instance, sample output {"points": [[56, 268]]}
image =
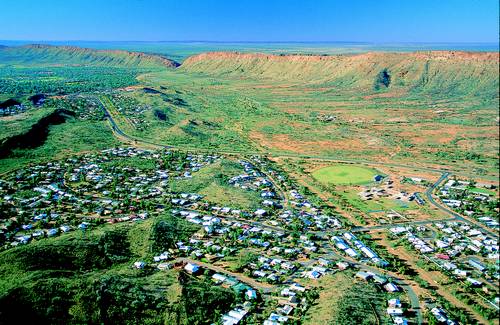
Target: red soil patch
{"points": [[284, 142]]}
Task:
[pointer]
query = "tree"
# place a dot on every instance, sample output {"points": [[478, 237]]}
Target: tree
{"points": [[383, 79]]}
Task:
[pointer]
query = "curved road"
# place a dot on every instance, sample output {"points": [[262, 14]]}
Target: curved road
{"points": [[455, 215], [445, 173], [119, 132]]}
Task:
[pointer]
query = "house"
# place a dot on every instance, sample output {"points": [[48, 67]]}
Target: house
{"points": [[378, 178], [395, 311], [297, 287], [161, 257], [259, 274], [164, 266], [234, 316], [391, 287], [313, 274], [460, 273], [342, 265], [379, 279], [260, 212], [474, 282], [83, 225], [394, 303], [139, 265], [364, 275], [351, 252], [277, 318], [398, 320], [191, 268], [441, 244], [218, 278], [439, 314], [251, 294], [286, 292], [478, 266], [286, 310]]}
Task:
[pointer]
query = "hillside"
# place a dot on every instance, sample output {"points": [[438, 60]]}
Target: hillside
{"points": [[33, 55], [436, 72]]}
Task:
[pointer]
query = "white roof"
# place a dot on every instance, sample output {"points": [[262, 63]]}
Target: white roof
{"points": [[191, 267]]}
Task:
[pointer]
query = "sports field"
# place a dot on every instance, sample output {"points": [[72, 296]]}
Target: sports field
{"points": [[344, 174]]}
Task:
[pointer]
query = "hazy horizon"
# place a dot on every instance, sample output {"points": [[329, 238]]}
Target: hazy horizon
{"points": [[180, 50]]}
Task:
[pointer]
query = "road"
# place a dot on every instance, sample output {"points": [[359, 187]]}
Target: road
{"points": [[456, 216], [444, 175], [428, 193], [264, 287], [402, 224], [122, 134]]}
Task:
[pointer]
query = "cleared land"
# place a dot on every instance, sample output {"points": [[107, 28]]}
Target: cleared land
{"points": [[345, 174]]}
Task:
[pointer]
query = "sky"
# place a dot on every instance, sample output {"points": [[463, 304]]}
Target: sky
{"points": [[375, 21]]}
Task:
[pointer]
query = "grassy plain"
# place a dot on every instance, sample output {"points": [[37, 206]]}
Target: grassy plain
{"points": [[211, 182], [269, 113], [440, 109], [344, 174], [73, 137]]}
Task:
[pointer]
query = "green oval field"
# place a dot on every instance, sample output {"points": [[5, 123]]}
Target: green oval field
{"points": [[345, 174]]}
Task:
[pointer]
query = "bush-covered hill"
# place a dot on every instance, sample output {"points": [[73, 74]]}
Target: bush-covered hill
{"points": [[434, 73], [33, 55]]}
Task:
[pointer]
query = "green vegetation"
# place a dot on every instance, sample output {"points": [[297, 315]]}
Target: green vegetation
{"points": [[87, 277], [212, 183], [200, 303], [424, 73], [65, 80], [47, 55], [361, 304], [167, 230], [345, 174], [22, 122], [404, 108], [383, 80], [64, 140]]}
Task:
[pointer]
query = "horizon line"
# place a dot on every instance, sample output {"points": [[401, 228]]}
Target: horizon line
{"points": [[256, 42]]}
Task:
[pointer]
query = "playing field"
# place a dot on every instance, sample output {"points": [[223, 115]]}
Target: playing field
{"points": [[344, 174]]}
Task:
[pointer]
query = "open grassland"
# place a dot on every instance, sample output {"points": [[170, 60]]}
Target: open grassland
{"points": [[21, 123], [47, 55], [63, 140], [269, 109], [343, 300], [439, 110], [212, 183], [344, 174], [433, 108]]}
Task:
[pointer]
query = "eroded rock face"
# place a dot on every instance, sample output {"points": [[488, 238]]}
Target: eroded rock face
{"points": [[445, 72], [54, 55]]}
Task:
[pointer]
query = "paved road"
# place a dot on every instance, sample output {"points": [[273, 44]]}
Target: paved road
{"points": [[402, 224], [118, 131], [264, 287], [456, 216], [414, 301], [445, 173]]}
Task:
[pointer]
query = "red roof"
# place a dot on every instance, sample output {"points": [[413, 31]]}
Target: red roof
{"points": [[443, 256]]}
